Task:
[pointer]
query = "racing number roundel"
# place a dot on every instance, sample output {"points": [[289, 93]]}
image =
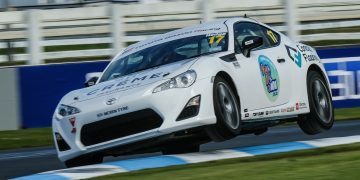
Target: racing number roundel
{"points": [[270, 78]]}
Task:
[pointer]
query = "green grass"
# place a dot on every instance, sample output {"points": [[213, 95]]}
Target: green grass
{"points": [[338, 162], [27, 138], [347, 113]]}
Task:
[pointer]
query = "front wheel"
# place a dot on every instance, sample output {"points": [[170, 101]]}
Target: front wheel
{"points": [[321, 116], [227, 111]]}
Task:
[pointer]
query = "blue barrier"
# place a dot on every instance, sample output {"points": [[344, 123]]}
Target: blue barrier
{"points": [[42, 87], [338, 52], [344, 64]]}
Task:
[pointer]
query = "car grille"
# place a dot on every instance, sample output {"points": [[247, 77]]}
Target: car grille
{"points": [[120, 126]]}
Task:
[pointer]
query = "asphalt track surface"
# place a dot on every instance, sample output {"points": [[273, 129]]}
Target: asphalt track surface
{"points": [[23, 162]]}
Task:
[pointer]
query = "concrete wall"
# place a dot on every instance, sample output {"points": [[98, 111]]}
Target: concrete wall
{"points": [[9, 108]]}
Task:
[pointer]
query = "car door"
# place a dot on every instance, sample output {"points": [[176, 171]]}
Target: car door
{"points": [[262, 76]]}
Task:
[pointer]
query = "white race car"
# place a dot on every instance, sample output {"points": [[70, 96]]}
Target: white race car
{"points": [[209, 82]]}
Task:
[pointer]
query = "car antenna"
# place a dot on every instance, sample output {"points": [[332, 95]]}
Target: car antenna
{"points": [[246, 16]]}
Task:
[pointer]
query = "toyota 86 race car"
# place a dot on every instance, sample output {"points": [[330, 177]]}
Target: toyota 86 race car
{"points": [[208, 82]]}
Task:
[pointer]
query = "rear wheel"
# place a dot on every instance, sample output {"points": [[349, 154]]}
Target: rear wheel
{"points": [[227, 111], [321, 116], [84, 160]]}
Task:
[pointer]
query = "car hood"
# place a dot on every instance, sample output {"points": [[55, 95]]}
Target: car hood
{"points": [[129, 82]]}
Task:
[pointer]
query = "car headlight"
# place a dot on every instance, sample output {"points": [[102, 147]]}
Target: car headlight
{"points": [[65, 110], [183, 80]]}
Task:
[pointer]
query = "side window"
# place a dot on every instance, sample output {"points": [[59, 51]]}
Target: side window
{"points": [[244, 29], [272, 36]]}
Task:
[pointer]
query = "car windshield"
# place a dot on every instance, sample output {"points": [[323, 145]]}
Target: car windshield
{"points": [[165, 53]]}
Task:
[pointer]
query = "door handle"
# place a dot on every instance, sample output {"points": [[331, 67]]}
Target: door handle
{"points": [[282, 60]]}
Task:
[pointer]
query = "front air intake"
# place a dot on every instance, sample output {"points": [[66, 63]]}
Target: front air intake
{"points": [[120, 126]]}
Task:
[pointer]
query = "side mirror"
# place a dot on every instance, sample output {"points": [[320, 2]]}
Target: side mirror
{"points": [[249, 43], [91, 78]]}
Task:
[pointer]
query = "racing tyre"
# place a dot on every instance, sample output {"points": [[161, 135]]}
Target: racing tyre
{"points": [[321, 116], [84, 160], [227, 111], [181, 149]]}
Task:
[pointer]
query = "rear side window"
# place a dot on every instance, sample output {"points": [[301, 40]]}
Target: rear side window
{"points": [[272, 36], [244, 29]]}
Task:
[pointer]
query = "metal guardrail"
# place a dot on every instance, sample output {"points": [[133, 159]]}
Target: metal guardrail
{"points": [[119, 24]]}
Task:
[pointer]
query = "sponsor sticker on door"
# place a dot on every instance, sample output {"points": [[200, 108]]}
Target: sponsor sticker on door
{"points": [[270, 78]]}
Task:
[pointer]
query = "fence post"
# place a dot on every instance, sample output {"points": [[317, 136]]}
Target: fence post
{"points": [[34, 48], [117, 28], [207, 11], [291, 19]]}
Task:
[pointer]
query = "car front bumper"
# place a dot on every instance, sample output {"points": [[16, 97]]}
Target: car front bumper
{"points": [[167, 105]]}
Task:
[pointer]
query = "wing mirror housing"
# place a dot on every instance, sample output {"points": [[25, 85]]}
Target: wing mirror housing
{"points": [[250, 43], [91, 78]]}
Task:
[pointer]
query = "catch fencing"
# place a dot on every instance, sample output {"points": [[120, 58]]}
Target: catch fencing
{"points": [[107, 29]]}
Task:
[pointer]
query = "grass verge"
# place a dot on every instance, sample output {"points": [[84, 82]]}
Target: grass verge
{"points": [[347, 113], [27, 138], [337, 162]]}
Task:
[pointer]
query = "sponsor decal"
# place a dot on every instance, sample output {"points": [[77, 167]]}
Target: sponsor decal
{"points": [[118, 110], [215, 38], [308, 53], [245, 110], [270, 78], [111, 101], [258, 114], [72, 122], [290, 109], [272, 112], [172, 36], [246, 114], [294, 55], [283, 110], [124, 83], [299, 106]]}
